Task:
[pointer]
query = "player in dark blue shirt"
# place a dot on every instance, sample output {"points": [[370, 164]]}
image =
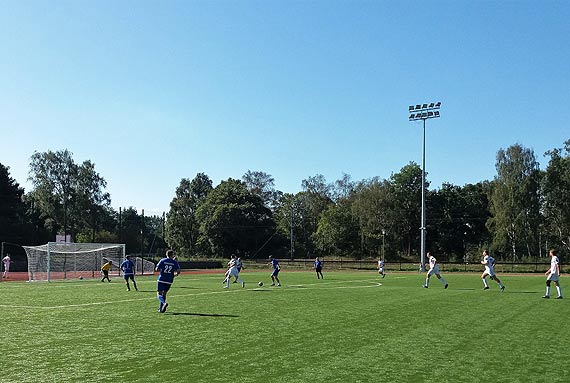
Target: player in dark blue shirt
{"points": [[274, 275], [128, 268], [168, 269], [319, 268]]}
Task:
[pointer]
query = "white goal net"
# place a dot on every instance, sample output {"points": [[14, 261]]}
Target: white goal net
{"points": [[56, 260]]}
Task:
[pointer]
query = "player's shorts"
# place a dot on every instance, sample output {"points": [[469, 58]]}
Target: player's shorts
{"points": [[433, 271], [319, 269], [380, 270], [129, 276], [275, 272], [552, 277], [161, 286], [233, 272], [490, 271]]}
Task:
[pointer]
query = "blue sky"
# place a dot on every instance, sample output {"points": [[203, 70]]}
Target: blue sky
{"points": [[156, 91]]}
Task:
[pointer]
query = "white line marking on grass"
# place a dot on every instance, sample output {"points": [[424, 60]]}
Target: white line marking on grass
{"points": [[286, 288], [91, 304], [374, 284]]}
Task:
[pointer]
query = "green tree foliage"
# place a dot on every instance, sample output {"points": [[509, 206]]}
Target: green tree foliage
{"points": [[263, 185], [315, 198], [155, 227], [52, 175], [69, 196], [458, 215], [407, 189], [513, 214], [132, 231], [556, 189], [292, 212], [373, 208], [337, 231], [475, 198], [343, 188], [103, 227], [14, 223], [234, 221], [515, 202], [446, 215], [182, 228]]}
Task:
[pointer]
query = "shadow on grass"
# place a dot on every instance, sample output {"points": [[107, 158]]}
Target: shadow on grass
{"points": [[524, 292], [497, 290], [203, 315], [186, 287]]}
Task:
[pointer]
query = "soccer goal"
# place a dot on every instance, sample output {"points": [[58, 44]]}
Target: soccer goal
{"points": [[56, 260]]}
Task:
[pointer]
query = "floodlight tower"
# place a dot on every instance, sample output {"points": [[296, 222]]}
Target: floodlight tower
{"points": [[424, 112]]}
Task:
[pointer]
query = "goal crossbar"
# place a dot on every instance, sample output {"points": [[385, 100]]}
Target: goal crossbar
{"points": [[71, 260]]}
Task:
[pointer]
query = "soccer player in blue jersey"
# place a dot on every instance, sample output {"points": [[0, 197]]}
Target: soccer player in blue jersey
{"points": [[319, 268], [274, 275], [128, 268], [168, 269]]}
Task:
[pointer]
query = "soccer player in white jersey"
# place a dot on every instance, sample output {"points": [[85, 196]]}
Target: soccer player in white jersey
{"points": [[433, 269], [489, 263], [230, 263], [239, 265], [233, 272], [6, 261], [553, 275], [381, 268]]}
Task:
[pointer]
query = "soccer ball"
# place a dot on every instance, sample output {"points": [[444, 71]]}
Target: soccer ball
{"points": [[260, 284], [81, 277]]}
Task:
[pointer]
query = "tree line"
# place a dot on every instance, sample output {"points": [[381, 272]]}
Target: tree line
{"points": [[518, 215]]}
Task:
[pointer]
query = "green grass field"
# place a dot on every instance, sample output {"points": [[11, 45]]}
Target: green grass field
{"points": [[349, 327]]}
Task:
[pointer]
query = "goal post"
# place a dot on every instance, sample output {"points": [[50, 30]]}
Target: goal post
{"points": [[60, 260], [143, 267]]}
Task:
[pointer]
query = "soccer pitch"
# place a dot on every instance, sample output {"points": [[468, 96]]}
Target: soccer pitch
{"points": [[349, 327]]}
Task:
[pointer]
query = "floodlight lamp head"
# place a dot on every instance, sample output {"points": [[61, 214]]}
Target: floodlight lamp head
{"points": [[438, 104], [424, 106]]}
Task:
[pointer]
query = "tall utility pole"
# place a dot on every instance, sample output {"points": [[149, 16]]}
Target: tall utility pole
{"points": [[142, 234], [291, 226], [383, 237], [424, 112]]}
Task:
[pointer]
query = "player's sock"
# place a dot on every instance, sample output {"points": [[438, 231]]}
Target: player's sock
{"points": [[443, 282], [485, 282], [559, 290], [427, 282], [547, 291]]}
